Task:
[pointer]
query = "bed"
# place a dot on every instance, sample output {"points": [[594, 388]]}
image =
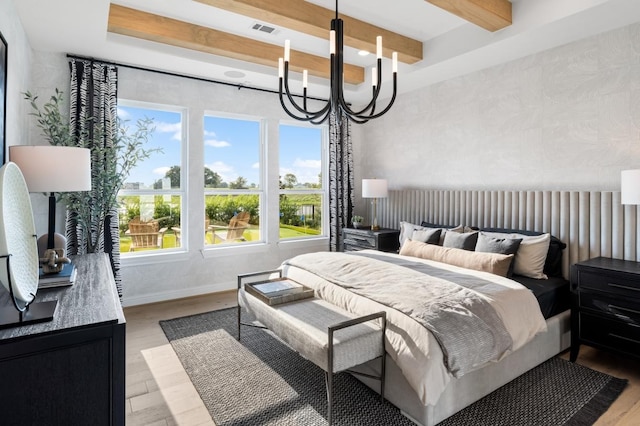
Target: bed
{"points": [[424, 379]]}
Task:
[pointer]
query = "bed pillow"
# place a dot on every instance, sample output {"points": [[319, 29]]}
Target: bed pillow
{"points": [[443, 229], [429, 236], [531, 255], [406, 231], [466, 241], [494, 263], [487, 244]]}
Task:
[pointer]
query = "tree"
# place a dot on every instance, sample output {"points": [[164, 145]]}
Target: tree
{"points": [[174, 176], [240, 183], [211, 178], [290, 180]]}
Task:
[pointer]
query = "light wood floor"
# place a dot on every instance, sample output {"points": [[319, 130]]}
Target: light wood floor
{"points": [[159, 392]]}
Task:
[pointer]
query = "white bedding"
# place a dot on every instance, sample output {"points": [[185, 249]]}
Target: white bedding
{"points": [[412, 346]]}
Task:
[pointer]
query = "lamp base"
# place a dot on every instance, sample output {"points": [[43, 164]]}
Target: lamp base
{"points": [[35, 313], [59, 241], [375, 228]]}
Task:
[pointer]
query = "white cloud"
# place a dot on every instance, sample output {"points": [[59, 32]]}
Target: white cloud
{"points": [[216, 143], [226, 171], [308, 164], [255, 166], [123, 114], [210, 134], [175, 128], [161, 170]]}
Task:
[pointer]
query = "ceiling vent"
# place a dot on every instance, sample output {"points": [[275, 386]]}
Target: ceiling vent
{"points": [[264, 28]]}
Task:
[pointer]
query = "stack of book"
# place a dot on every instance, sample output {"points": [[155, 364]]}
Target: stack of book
{"points": [[65, 277]]}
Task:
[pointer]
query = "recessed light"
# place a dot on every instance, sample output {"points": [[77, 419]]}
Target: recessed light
{"points": [[363, 52], [234, 74]]}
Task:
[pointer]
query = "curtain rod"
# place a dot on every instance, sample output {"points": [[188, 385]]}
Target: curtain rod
{"points": [[173, 74]]}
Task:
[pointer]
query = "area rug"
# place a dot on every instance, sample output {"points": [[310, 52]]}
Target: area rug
{"points": [[260, 381]]}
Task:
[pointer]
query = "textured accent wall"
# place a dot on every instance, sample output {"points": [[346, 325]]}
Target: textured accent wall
{"points": [[567, 118]]}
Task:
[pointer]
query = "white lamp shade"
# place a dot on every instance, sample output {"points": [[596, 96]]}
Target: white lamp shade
{"points": [[49, 168], [630, 186], [374, 188]]}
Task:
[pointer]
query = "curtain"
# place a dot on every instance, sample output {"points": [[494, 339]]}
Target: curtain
{"points": [[341, 195], [93, 120]]}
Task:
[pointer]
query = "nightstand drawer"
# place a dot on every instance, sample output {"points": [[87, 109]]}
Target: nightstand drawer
{"points": [[610, 333], [611, 283], [622, 309], [360, 240]]}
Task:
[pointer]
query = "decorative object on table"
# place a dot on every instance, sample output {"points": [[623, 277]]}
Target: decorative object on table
{"points": [[374, 189], [278, 291], [19, 253], [53, 169], [357, 221], [3, 96], [336, 103], [67, 276], [53, 261]]}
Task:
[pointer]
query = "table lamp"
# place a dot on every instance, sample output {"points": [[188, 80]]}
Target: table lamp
{"points": [[630, 186], [51, 169], [374, 188]]}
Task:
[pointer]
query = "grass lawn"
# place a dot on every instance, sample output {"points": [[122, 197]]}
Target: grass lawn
{"points": [[251, 234]]}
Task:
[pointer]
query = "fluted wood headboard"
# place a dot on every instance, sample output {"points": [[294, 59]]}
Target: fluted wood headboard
{"points": [[590, 223]]}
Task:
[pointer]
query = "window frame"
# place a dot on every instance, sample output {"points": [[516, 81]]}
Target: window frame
{"points": [[324, 191], [182, 192]]}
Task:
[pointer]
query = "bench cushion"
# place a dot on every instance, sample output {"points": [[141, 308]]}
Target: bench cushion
{"points": [[303, 325]]}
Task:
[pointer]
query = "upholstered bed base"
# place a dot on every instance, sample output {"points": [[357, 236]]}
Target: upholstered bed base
{"points": [[471, 387]]}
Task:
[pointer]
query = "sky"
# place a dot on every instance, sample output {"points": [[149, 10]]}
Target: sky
{"points": [[231, 147]]}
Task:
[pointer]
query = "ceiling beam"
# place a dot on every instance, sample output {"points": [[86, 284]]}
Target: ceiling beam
{"points": [[492, 15], [156, 28], [308, 18]]}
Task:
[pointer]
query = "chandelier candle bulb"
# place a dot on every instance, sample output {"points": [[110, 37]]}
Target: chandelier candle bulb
{"points": [[374, 77], [332, 42], [280, 68], [379, 47], [305, 79], [287, 50], [394, 59]]}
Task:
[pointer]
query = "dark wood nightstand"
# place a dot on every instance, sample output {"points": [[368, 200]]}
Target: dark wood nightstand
{"points": [[605, 306], [360, 239]]}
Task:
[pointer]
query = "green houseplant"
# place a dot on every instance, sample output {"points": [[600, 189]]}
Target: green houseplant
{"points": [[357, 221], [127, 148]]}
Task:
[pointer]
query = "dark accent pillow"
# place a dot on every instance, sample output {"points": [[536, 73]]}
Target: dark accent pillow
{"points": [[466, 241], [499, 245], [429, 236], [553, 263]]}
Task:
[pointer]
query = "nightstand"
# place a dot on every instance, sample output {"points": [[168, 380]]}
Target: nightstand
{"points": [[360, 239], [605, 306]]}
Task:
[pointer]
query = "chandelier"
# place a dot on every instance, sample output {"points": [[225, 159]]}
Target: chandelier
{"points": [[336, 102]]}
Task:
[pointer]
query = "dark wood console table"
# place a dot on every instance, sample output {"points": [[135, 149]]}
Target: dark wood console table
{"points": [[69, 371]]}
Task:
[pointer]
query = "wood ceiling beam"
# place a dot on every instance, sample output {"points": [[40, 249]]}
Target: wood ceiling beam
{"points": [[492, 15], [135, 23], [308, 18]]}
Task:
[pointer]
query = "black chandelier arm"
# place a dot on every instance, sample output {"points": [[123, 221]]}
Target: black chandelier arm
{"points": [[311, 115], [307, 117], [389, 105]]}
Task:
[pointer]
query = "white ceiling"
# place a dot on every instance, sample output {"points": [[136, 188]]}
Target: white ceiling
{"points": [[452, 46]]}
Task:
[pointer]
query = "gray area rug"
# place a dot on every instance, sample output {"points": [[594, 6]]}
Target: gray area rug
{"points": [[260, 381]]}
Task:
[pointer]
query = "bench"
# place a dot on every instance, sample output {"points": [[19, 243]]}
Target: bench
{"points": [[333, 339]]}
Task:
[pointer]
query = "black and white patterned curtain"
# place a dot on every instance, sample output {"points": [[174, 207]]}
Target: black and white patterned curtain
{"points": [[341, 195], [93, 119]]}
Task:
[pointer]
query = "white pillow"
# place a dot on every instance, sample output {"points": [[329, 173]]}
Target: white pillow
{"points": [[531, 254]]}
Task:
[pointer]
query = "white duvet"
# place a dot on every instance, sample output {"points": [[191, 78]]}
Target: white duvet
{"points": [[413, 347]]}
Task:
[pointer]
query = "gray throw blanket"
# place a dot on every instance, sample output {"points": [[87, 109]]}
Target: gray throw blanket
{"points": [[466, 326]]}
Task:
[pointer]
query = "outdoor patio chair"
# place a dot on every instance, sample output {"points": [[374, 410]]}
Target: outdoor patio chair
{"points": [[145, 235], [234, 232]]}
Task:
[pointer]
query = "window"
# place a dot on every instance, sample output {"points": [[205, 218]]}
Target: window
{"points": [[151, 199], [302, 187], [233, 187]]}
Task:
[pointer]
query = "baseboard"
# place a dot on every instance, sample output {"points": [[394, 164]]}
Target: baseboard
{"points": [[177, 294]]}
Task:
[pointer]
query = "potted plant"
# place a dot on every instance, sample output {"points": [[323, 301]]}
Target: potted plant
{"points": [[92, 209], [357, 221]]}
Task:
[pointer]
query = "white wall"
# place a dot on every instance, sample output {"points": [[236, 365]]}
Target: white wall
{"points": [[567, 118]]}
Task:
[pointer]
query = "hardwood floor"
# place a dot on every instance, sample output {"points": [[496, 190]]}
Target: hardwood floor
{"points": [[159, 392]]}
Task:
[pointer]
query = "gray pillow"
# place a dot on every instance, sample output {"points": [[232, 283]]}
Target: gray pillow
{"points": [[466, 241], [499, 245], [429, 236]]}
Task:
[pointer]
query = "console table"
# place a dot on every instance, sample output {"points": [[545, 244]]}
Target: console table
{"points": [[69, 371]]}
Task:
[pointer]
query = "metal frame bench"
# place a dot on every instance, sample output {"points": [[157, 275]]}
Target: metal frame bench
{"points": [[330, 337]]}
